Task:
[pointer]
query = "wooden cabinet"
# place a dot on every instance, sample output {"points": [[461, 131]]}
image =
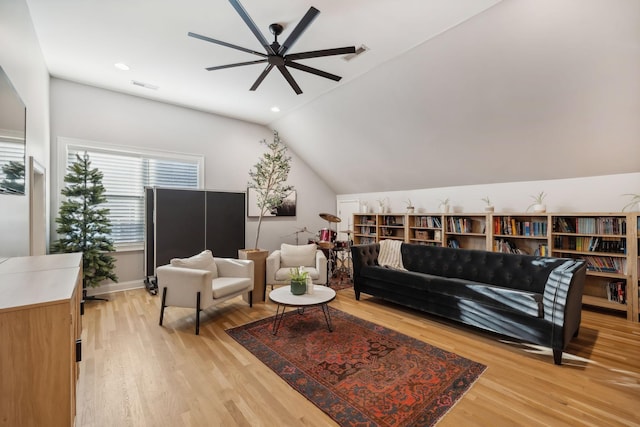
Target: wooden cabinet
{"points": [[40, 325], [602, 240]]}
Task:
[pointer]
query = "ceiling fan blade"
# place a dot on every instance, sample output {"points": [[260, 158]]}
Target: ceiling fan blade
{"points": [[324, 52], [314, 71], [287, 75], [239, 64], [306, 20], [261, 77], [252, 26], [233, 46]]}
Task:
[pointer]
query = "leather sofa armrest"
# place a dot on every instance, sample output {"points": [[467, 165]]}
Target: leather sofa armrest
{"points": [[562, 300], [363, 255]]}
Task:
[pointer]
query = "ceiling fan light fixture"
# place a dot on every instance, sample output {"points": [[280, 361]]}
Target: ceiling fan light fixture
{"points": [[277, 55]]}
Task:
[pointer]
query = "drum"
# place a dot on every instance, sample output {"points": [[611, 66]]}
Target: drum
{"points": [[342, 244], [327, 235], [325, 245]]}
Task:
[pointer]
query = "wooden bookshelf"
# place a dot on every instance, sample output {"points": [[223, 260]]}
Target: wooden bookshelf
{"points": [[603, 241], [424, 229], [364, 228], [608, 242], [521, 233], [391, 226], [467, 231]]}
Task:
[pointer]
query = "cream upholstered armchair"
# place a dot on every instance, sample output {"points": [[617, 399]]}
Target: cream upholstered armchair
{"points": [[279, 262], [203, 281]]}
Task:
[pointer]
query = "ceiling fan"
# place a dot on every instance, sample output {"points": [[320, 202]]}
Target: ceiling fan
{"points": [[276, 55]]}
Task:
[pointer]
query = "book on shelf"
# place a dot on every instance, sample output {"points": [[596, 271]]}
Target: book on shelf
{"points": [[506, 246], [606, 264], [453, 243], [542, 250], [617, 291], [591, 225]]}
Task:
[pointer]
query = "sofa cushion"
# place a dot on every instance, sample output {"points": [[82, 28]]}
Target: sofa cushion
{"points": [[430, 287], [297, 255], [202, 261], [523, 272], [223, 286]]}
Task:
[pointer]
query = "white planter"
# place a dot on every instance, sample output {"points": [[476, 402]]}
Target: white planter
{"points": [[411, 210], [444, 208], [539, 208], [488, 208]]}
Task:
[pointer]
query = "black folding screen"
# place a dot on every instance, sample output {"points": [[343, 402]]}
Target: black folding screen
{"points": [[182, 223]]}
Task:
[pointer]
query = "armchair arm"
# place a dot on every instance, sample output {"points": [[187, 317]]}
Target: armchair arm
{"points": [[231, 267], [273, 265], [183, 284], [321, 266]]}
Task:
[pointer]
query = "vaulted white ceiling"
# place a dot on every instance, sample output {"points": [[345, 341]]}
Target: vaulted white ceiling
{"points": [[451, 92]]}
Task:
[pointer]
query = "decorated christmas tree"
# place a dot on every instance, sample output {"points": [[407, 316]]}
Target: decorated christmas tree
{"points": [[83, 225]]}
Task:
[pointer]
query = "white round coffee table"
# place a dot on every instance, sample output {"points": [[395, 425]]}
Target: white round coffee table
{"points": [[284, 298]]}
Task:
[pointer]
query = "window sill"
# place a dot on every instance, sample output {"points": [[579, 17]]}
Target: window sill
{"points": [[129, 247]]}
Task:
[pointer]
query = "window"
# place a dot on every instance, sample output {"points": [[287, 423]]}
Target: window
{"points": [[126, 172]]}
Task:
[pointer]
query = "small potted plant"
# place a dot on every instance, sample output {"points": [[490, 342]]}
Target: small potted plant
{"points": [[538, 204], [410, 207], [444, 205], [635, 200], [382, 205], [298, 280], [489, 206]]}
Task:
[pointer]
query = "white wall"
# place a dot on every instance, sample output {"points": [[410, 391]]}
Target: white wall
{"points": [[230, 147], [592, 194], [21, 59]]}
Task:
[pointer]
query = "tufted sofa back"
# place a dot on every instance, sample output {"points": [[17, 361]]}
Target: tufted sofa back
{"points": [[525, 272]]}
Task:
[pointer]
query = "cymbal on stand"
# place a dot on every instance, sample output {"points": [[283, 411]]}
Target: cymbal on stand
{"points": [[330, 217]]}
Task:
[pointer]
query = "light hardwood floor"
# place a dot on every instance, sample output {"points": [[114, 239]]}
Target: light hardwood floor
{"points": [[136, 373]]}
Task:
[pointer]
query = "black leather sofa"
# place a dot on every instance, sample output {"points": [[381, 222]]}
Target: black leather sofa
{"points": [[534, 299]]}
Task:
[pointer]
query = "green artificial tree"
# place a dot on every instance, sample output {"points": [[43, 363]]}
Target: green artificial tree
{"points": [[83, 225], [268, 178], [14, 177]]}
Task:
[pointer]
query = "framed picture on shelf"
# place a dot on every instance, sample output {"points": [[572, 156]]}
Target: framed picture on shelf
{"points": [[287, 208]]}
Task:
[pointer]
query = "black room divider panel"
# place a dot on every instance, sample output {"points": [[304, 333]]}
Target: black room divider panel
{"points": [[181, 223]]}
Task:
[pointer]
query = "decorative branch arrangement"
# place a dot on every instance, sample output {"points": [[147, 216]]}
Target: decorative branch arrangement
{"points": [[268, 178]]}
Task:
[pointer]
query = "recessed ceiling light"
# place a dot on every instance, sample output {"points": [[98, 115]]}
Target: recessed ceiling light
{"points": [[275, 109], [121, 66]]}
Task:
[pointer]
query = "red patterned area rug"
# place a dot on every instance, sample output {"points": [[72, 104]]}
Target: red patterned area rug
{"points": [[340, 282], [361, 374]]}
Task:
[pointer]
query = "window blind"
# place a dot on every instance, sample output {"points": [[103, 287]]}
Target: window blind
{"points": [[125, 175]]}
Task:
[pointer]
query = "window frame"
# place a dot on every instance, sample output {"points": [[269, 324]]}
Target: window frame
{"points": [[65, 144]]}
